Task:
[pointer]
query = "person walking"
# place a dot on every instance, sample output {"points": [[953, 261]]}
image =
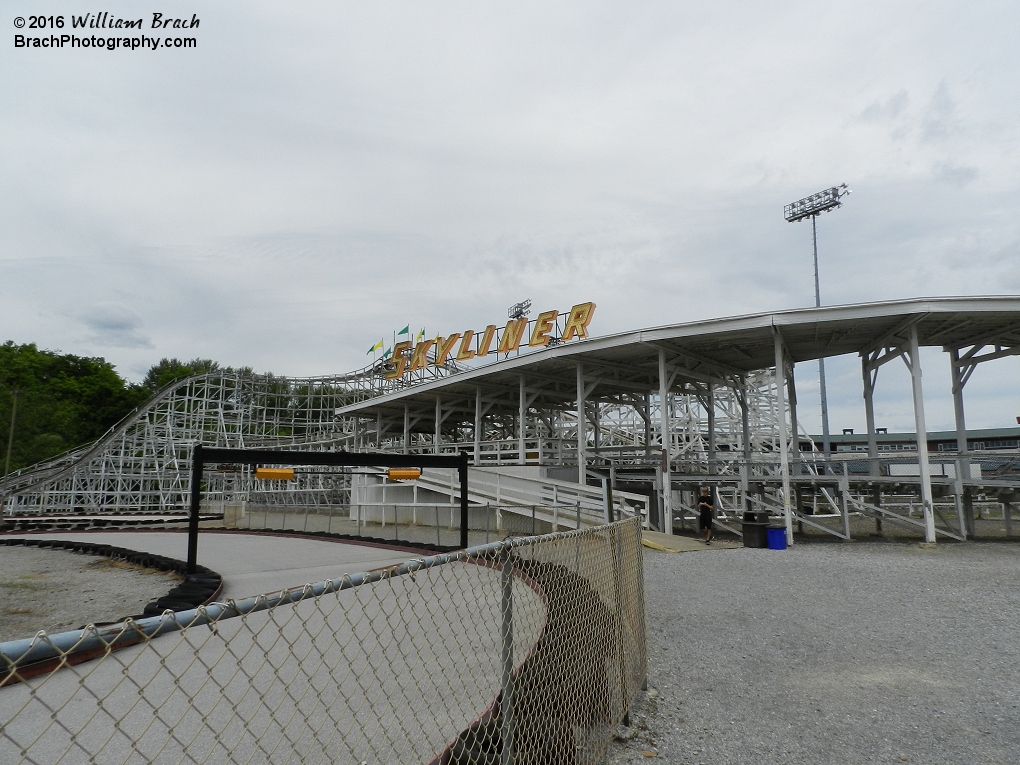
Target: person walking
{"points": [[706, 508]]}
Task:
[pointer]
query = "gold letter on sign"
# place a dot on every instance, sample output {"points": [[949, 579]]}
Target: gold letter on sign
{"points": [[486, 342], [465, 351], [578, 321], [543, 326], [400, 359], [419, 359], [444, 346], [512, 334]]}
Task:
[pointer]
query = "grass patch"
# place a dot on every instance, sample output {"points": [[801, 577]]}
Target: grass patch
{"points": [[18, 611], [107, 564], [25, 582]]}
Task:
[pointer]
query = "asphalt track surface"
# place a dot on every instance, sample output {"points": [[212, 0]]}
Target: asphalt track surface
{"points": [[387, 672], [251, 564]]}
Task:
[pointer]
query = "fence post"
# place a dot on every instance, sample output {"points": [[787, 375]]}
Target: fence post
{"points": [[617, 554], [506, 705], [577, 547], [197, 465], [533, 529], [487, 511], [463, 471]]}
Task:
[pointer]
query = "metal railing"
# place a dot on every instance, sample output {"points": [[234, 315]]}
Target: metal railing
{"points": [[522, 651]]}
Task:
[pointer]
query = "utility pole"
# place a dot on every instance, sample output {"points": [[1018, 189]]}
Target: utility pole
{"points": [[10, 435]]}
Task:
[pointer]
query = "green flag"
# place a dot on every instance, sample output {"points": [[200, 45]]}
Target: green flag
{"points": [[405, 331], [387, 352]]}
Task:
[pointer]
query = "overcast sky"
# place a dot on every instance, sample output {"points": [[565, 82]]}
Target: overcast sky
{"points": [[316, 175]]}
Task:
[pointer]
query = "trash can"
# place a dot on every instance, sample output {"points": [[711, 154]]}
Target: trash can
{"points": [[755, 527], [776, 537]]}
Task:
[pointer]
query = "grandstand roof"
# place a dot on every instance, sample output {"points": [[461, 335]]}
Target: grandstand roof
{"points": [[717, 350]]}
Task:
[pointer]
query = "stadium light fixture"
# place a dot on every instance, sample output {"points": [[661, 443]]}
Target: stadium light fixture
{"points": [[811, 207], [519, 310]]}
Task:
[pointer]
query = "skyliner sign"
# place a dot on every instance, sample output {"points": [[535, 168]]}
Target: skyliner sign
{"points": [[462, 346]]}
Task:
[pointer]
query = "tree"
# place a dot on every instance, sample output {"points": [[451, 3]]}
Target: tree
{"points": [[169, 370], [65, 400]]}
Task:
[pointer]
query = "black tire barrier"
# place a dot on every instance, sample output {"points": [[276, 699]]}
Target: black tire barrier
{"points": [[197, 589], [557, 681]]}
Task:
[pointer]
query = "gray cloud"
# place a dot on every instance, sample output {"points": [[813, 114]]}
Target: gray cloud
{"points": [[115, 326], [939, 119], [890, 109], [304, 182], [955, 175]]}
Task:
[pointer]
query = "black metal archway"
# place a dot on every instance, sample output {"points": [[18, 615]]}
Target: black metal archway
{"points": [[203, 454]]}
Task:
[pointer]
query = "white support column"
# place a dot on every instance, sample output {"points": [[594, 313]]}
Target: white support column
{"points": [[522, 426], [784, 452], [407, 428], [648, 426], [745, 420], [582, 434], [711, 429], [922, 438], [745, 426], [478, 425], [378, 430], [439, 425], [963, 504], [664, 430], [791, 396], [870, 376]]}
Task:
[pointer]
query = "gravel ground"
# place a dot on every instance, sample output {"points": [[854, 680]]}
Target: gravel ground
{"points": [[57, 590], [853, 653]]}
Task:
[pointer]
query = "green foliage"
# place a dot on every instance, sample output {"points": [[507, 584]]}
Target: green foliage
{"points": [[168, 370], [65, 401]]}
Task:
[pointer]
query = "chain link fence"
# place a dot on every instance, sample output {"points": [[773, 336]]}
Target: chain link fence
{"points": [[527, 650]]}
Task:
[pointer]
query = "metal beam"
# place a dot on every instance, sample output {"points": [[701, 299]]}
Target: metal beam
{"points": [[922, 437], [664, 430], [522, 422], [784, 458], [582, 436]]}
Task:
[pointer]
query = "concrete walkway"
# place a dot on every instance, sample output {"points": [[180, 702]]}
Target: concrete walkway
{"points": [[673, 543]]}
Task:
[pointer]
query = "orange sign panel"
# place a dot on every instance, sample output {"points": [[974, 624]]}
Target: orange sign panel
{"points": [[462, 346]]}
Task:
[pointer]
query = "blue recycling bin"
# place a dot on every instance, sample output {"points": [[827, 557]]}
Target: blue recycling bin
{"points": [[777, 537]]}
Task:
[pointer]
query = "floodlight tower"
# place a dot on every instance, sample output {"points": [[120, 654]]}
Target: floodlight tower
{"points": [[811, 207], [519, 310]]}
